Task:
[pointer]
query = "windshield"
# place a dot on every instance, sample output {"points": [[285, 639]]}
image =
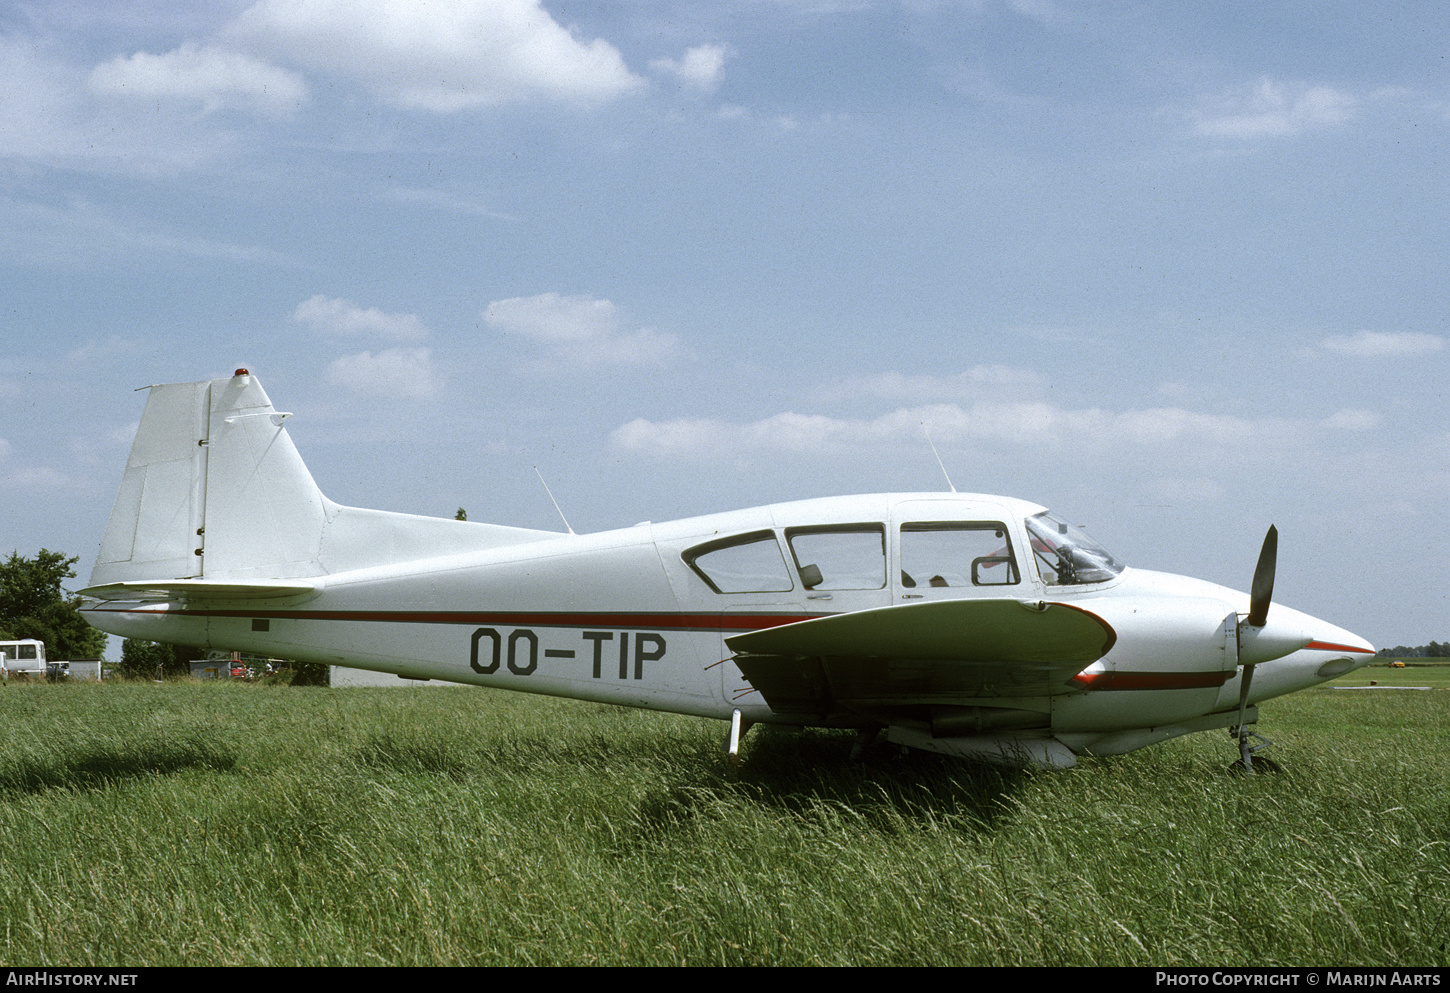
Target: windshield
{"points": [[1066, 556]]}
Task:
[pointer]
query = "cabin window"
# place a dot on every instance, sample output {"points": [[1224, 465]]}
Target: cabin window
{"points": [[746, 563], [956, 554], [17, 652], [839, 557]]}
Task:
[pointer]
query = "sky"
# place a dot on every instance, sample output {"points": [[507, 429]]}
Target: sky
{"points": [[1169, 269]]}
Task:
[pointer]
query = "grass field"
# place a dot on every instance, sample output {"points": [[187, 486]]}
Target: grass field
{"points": [[239, 824]]}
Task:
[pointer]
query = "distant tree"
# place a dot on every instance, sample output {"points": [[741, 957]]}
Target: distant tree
{"points": [[150, 660], [462, 515], [34, 605], [1434, 650], [311, 674]]}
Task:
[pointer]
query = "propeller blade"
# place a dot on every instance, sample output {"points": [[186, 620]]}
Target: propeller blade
{"points": [[1262, 592]]}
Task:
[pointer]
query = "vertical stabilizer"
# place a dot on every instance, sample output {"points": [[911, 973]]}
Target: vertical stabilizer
{"points": [[214, 489], [264, 513]]}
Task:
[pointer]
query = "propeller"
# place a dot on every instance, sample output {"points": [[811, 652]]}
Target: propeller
{"points": [[1263, 589], [1257, 641]]}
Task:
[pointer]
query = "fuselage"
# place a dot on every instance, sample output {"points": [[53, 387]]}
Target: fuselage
{"points": [[639, 616]]}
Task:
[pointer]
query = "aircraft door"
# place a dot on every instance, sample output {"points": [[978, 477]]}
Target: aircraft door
{"points": [[942, 557], [817, 570], [839, 568]]}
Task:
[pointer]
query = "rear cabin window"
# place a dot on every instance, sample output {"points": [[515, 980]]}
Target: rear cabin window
{"points": [[746, 563], [839, 557], [956, 554]]}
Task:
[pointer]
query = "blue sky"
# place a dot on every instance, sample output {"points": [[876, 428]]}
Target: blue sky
{"points": [[1173, 270]]}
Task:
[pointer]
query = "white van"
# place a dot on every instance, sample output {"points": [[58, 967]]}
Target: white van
{"points": [[25, 657]]}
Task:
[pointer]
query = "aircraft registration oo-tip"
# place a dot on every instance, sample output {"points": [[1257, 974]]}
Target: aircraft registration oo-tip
{"points": [[976, 626]]}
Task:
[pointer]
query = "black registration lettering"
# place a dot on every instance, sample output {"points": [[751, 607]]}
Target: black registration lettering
{"points": [[524, 661], [599, 638], [643, 655], [492, 667], [523, 634]]}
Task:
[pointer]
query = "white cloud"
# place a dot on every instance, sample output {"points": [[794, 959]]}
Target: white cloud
{"points": [[1272, 109], [343, 317], [974, 382], [1043, 11], [580, 330], [216, 77], [4, 448], [443, 56], [699, 68], [550, 317], [1376, 343], [1351, 419], [1035, 424], [396, 372], [48, 114], [443, 200]]}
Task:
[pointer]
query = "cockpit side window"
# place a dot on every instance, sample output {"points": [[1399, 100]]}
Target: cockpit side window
{"points": [[957, 554], [1066, 556], [743, 563], [840, 557]]}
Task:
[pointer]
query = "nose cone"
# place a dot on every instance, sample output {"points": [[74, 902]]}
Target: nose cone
{"points": [[1345, 650], [1329, 651]]}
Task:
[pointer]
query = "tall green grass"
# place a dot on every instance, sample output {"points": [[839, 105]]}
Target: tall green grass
{"points": [[234, 824]]}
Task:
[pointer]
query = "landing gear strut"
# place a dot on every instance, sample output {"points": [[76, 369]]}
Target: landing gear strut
{"points": [[1247, 751]]}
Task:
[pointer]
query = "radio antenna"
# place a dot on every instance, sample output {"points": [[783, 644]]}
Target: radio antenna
{"points": [[553, 501], [938, 456]]}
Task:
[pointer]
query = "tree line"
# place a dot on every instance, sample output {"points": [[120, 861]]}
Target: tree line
{"points": [[1434, 650]]}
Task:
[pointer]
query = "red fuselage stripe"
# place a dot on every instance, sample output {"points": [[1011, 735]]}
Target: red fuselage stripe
{"points": [[1154, 680], [651, 621]]}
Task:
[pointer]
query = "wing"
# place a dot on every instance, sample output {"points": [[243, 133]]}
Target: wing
{"points": [[936, 653]]}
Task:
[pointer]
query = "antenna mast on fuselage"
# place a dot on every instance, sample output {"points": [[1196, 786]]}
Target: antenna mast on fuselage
{"points": [[938, 457]]}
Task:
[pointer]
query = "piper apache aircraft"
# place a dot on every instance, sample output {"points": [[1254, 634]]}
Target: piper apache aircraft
{"points": [[976, 626]]}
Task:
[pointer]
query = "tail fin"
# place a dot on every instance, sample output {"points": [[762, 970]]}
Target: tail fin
{"points": [[217, 502], [214, 489]]}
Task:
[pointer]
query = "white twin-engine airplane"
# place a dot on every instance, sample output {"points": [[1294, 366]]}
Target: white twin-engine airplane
{"points": [[976, 626]]}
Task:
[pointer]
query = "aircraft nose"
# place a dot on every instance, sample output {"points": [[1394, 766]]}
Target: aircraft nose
{"points": [[1350, 651], [1340, 640]]}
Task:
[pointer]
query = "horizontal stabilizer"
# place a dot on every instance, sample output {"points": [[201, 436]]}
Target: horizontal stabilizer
{"points": [[200, 589]]}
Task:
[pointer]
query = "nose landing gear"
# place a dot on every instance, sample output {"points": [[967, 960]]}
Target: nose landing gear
{"points": [[1247, 750]]}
